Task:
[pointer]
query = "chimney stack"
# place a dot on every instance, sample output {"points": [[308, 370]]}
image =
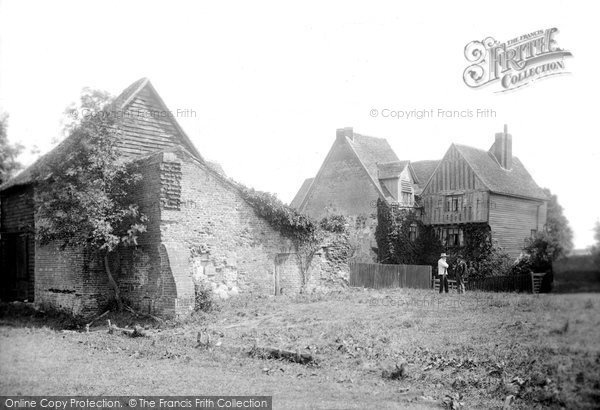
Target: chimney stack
{"points": [[502, 149], [344, 132]]}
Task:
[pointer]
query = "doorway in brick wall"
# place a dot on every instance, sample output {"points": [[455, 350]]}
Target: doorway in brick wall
{"points": [[279, 261], [16, 262]]}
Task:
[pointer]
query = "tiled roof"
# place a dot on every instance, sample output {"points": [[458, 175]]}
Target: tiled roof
{"points": [[391, 169], [423, 170], [515, 181], [372, 151], [297, 201], [26, 176]]}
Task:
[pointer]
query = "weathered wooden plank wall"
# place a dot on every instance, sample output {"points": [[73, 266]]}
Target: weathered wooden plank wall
{"points": [[512, 221], [380, 276]]}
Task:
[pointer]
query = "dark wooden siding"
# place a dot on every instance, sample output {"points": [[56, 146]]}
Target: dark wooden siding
{"points": [[17, 210], [454, 177], [17, 227], [146, 127], [472, 207], [512, 220], [453, 174]]}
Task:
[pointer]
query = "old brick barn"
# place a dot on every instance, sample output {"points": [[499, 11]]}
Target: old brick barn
{"points": [[200, 229]]}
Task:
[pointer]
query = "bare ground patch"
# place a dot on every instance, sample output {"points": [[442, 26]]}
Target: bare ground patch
{"points": [[478, 349]]}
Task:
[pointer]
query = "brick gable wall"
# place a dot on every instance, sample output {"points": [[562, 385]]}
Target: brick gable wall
{"points": [[342, 186]]}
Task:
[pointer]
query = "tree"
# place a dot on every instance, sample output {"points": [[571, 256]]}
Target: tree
{"points": [[8, 152], [596, 247], [483, 257], [546, 246], [82, 200], [557, 226], [385, 232]]}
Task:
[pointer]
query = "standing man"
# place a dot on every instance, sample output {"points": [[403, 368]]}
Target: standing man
{"points": [[461, 272], [443, 272]]}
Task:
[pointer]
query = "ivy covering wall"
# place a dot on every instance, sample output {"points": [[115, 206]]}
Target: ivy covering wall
{"points": [[397, 243]]}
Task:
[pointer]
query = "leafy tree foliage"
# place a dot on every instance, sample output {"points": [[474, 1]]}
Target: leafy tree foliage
{"points": [[83, 199], [560, 234], [8, 152], [547, 246], [483, 257], [334, 223], [596, 247], [385, 233], [92, 105]]}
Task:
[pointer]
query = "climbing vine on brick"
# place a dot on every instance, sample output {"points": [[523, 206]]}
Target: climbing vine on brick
{"points": [[292, 224], [83, 196], [306, 234]]}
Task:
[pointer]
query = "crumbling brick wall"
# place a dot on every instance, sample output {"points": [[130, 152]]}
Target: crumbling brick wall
{"points": [[329, 268], [200, 231], [230, 247]]}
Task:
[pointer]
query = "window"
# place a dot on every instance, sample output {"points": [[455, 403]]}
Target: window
{"points": [[455, 203], [533, 232], [451, 237], [452, 203], [413, 232], [361, 222]]}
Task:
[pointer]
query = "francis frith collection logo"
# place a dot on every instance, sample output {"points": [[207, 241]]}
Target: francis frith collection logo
{"points": [[515, 63]]}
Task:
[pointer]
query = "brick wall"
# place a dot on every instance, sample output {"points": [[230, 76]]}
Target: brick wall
{"points": [[229, 246], [70, 281], [329, 269], [200, 230], [342, 186]]}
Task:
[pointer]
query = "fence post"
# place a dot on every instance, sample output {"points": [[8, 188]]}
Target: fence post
{"points": [[532, 284]]}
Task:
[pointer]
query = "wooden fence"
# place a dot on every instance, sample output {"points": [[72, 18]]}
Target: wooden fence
{"points": [[510, 283], [380, 276]]}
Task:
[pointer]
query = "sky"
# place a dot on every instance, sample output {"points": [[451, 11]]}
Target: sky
{"points": [[268, 83]]}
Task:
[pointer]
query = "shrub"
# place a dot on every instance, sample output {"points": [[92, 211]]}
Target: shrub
{"points": [[395, 244], [205, 298], [334, 223], [542, 250]]}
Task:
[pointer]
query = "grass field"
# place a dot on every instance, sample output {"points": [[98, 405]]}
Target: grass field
{"points": [[479, 350]]}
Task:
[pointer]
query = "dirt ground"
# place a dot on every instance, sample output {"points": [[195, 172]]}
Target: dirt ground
{"points": [[479, 350]]}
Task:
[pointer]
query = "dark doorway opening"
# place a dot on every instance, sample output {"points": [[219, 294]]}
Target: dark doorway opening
{"points": [[16, 277]]}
